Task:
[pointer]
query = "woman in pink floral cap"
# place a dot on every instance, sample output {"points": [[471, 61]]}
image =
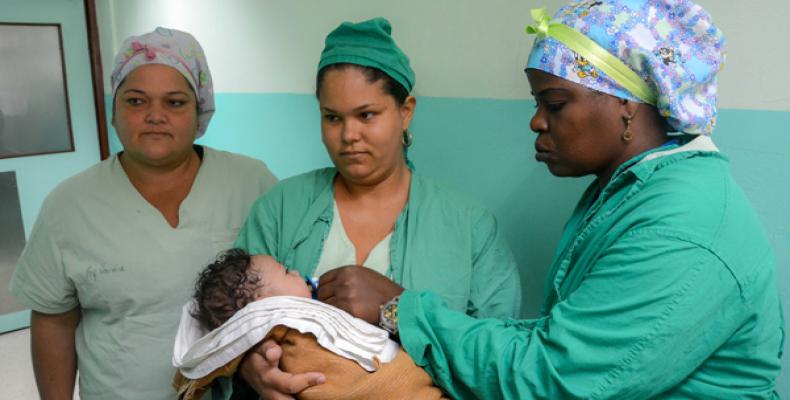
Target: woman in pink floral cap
{"points": [[116, 248]]}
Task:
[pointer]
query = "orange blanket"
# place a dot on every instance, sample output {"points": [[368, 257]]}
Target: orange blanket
{"points": [[345, 379]]}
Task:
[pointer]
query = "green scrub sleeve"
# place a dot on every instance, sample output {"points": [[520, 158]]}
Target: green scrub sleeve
{"points": [[257, 236], [650, 311], [496, 284]]}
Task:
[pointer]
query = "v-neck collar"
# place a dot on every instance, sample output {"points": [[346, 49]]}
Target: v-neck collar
{"points": [[125, 186]]}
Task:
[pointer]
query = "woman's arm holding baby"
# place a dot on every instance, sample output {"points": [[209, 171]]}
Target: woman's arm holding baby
{"points": [[261, 370], [357, 290]]}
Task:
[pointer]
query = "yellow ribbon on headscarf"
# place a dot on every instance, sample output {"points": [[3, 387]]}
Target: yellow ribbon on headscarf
{"points": [[593, 52]]}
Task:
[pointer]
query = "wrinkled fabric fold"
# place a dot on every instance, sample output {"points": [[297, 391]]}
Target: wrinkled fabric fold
{"points": [[197, 352], [399, 379]]}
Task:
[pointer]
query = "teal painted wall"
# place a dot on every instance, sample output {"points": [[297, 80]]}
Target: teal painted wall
{"points": [[485, 148], [481, 146], [37, 175], [758, 145]]}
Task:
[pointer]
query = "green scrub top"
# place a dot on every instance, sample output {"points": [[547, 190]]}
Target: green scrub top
{"points": [[663, 286], [442, 241], [99, 245]]}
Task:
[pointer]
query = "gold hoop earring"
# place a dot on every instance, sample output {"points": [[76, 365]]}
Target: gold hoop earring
{"points": [[407, 139], [628, 135]]}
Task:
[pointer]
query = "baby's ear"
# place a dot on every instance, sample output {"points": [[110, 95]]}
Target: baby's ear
{"points": [[262, 294]]}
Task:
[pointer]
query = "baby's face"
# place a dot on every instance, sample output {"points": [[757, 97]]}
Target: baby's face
{"points": [[276, 281]]}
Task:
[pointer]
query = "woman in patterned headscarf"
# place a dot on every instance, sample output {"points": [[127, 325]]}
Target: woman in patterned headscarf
{"points": [[112, 256], [664, 283]]}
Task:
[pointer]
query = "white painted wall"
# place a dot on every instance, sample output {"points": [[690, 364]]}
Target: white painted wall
{"points": [[459, 48], [755, 76], [273, 46]]}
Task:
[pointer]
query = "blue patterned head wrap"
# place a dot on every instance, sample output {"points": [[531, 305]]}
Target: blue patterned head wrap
{"points": [[669, 50]]}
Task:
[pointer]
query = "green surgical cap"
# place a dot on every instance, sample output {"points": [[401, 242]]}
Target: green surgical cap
{"points": [[368, 44]]}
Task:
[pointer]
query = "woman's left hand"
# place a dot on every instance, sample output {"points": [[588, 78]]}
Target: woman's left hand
{"points": [[358, 290]]}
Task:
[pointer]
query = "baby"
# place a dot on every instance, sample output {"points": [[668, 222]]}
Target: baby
{"points": [[234, 284], [236, 279]]}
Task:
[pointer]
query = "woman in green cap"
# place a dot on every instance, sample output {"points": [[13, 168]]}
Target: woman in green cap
{"points": [[369, 226]]}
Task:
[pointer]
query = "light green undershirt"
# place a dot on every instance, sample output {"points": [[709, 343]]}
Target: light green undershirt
{"points": [[338, 250]]}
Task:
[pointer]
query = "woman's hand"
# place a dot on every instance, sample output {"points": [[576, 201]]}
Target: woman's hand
{"points": [[261, 370], [358, 290]]}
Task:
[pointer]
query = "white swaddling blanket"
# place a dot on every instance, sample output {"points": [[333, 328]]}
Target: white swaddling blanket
{"points": [[198, 352]]}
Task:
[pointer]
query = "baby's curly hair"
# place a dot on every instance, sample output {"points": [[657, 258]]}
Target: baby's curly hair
{"points": [[224, 287]]}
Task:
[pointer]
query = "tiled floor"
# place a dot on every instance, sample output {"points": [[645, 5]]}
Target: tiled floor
{"points": [[16, 368]]}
